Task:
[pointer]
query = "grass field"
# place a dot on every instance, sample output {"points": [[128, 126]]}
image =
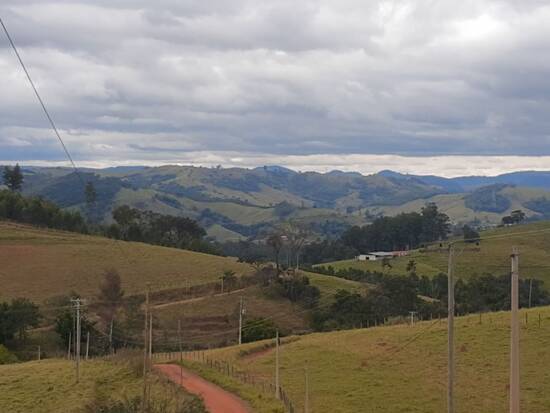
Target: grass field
{"points": [[492, 255], [404, 369], [39, 263], [48, 386]]}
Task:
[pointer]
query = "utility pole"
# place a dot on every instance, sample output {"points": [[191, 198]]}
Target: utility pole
{"points": [[530, 291], [412, 313], [277, 383], [87, 344], [306, 401], [450, 332], [77, 338], [150, 336], [69, 349], [39, 353], [181, 352], [241, 312], [145, 352], [514, 337], [111, 336]]}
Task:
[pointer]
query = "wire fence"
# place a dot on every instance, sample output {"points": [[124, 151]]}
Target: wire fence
{"points": [[230, 370]]}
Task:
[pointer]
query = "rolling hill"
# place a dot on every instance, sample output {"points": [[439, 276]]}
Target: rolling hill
{"points": [[492, 255], [236, 203], [403, 368], [39, 264]]}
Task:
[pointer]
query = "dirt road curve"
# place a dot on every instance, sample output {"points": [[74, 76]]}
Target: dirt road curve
{"points": [[216, 399]]}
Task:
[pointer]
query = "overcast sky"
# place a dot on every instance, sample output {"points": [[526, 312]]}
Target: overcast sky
{"points": [[307, 84]]}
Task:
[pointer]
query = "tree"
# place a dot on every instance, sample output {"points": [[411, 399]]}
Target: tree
{"points": [[17, 317], [470, 234], [411, 267], [228, 279], [258, 329], [13, 178], [517, 216], [91, 196], [110, 295], [275, 241]]}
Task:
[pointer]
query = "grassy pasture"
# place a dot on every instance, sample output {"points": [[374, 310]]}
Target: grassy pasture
{"points": [[49, 386], [492, 255], [404, 369], [39, 263]]}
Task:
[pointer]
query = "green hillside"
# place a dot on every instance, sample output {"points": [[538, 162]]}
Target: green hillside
{"points": [[404, 369], [491, 256], [49, 386], [39, 263]]}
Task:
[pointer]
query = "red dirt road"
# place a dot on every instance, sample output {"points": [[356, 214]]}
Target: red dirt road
{"points": [[216, 399]]}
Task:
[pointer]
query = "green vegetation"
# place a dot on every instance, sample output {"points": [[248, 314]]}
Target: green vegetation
{"points": [[49, 386], [492, 255], [403, 368]]}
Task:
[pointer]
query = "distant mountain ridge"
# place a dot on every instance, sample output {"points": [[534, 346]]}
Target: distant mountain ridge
{"points": [[235, 203]]}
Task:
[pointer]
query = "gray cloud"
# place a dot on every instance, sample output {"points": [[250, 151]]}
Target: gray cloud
{"points": [[135, 80]]}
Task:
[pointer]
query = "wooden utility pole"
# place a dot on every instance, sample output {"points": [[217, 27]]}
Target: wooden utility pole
{"points": [[306, 401], [181, 352], [150, 336], [145, 351], [450, 332], [111, 336], [514, 337], [87, 344], [277, 383], [241, 312]]}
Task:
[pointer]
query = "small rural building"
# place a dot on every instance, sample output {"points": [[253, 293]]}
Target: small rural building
{"points": [[374, 256], [380, 255]]}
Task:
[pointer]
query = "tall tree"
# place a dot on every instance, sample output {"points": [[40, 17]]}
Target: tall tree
{"points": [[110, 295], [13, 178], [91, 197], [275, 241]]}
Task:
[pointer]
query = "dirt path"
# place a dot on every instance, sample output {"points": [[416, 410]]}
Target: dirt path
{"points": [[216, 399], [195, 299]]}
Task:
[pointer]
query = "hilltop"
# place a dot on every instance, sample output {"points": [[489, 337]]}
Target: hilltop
{"points": [[236, 203]]}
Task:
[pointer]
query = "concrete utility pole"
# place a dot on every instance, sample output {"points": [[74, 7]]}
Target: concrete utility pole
{"points": [[277, 384], [412, 313], [69, 348], [87, 344], [39, 355], [530, 291], [450, 332], [77, 338], [145, 345], [514, 337], [241, 312]]}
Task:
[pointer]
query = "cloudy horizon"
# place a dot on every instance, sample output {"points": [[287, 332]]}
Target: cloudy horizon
{"points": [[413, 86]]}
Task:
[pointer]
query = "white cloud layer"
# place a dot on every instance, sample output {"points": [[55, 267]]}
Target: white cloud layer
{"points": [[447, 166], [310, 81]]}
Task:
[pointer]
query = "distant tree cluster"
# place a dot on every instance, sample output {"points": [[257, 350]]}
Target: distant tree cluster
{"points": [[404, 231], [515, 217], [13, 177], [396, 295], [146, 226], [39, 212]]}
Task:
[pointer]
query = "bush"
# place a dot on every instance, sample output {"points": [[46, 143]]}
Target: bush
{"points": [[6, 357]]}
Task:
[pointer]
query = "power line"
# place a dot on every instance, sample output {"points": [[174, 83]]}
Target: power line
{"points": [[52, 123]]}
